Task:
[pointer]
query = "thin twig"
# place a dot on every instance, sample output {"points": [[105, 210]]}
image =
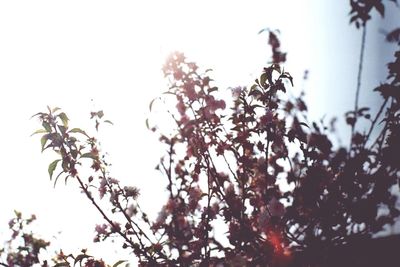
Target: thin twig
{"points": [[376, 119], [359, 76], [360, 67]]}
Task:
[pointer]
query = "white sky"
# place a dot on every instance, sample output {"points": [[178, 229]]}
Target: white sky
{"points": [[65, 53]]}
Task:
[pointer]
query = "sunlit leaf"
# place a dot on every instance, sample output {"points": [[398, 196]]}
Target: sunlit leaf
{"points": [[39, 131], [263, 30], [118, 263], [253, 87], [151, 104], [43, 141], [18, 214], [37, 114], [100, 114], [56, 179], [263, 78], [64, 119], [52, 167], [66, 179], [77, 130], [108, 121], [167, 93], [88, 155]]}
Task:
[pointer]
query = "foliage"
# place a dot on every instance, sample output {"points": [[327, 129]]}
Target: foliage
{"points": [[251, 164], [361, 9], [23, 247]]}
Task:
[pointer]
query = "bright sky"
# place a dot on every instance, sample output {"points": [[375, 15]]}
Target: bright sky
{"points": [[65, 53]]}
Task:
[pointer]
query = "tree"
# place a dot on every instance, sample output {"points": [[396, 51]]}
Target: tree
{"points": [[227, 160]]}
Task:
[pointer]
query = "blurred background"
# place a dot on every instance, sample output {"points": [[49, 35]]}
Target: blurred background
{"points": [[86, 56]]}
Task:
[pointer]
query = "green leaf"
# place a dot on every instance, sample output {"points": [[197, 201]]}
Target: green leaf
{"points": [[18, 214], [55, 180], [43, 141], [118, 263], [253, 87], [88, 155], [147, 124], [263, 78], [108, 121], [64, 119], [65, 166], [52, 167], [168, 93], [46, 126], [66, 179], [263, 30], [39, 131], [55, 109], [151, 104], [37, 114], [77, 130], [60, 264], [100, 114]]}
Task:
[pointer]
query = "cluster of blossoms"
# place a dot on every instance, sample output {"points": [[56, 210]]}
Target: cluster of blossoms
{"points": [[226, 166], [254, 166]]}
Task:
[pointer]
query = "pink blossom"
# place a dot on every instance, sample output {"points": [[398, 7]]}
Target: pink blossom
{"points": [[178, 74], [190, 91], [131, 191], [113, 181], [267, 118], [131, 210], [213, 104], [195, 193], [236, 91], [101, 229], [162, 215], [181, 107], [185, 119], [221, 104], [102, 188]]}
